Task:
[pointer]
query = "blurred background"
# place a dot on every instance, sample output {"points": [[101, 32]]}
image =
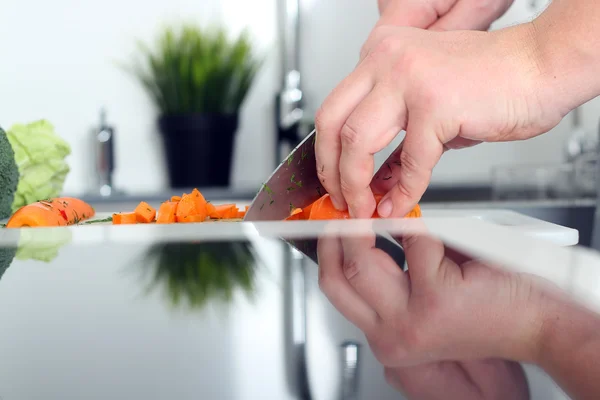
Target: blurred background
{"points": [[70, 63]]}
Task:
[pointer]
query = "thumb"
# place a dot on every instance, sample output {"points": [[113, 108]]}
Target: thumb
{"points": [[418, 154]]}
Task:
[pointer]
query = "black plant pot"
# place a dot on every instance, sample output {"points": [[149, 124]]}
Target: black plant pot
{"points": [[199, 148]]}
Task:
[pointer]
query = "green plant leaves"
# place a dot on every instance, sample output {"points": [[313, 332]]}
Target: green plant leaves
{"points": [[194, 70]]}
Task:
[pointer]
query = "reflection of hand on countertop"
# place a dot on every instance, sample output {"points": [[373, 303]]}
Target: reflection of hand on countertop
{"points": [[445, 327]]}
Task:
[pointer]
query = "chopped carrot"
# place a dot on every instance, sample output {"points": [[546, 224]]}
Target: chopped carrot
{"points": [[124, 218], [145, 213], [226, 211], [241, 213], [166, 212], [191, 218], [414, 213], [55, 212], [323, 209], [190, 204], [176, 199], [211, 211], [200, 200], [296, 214]]}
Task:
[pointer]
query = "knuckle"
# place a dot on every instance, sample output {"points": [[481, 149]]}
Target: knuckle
{"points": [[348, 187], [488, 7], [325, 279], [351, 268], [408, 162], [349, 135], [321, 119], [394, 347], [403, 189], [322, 175], [385, 46]]}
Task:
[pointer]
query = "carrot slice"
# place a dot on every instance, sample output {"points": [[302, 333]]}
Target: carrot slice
{"points": [[166, 212], [176, 199], [211, 210], [191, 218], [226, 211], [296, 214], [323, 209], [124, 218], [191, 204], [145, 213], [241, 213]]}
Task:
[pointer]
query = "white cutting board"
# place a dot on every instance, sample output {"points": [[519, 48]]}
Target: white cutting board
{"points": [[522, 224]]}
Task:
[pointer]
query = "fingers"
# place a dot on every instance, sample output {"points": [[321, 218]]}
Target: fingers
{"points": [[369, 129], [338, 290], [471, 15], [329, 121], [413, 13], [424, 257], [420, 151], [375, 276]]}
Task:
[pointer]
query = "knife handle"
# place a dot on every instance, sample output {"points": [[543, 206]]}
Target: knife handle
{"points": [[350, 364]]}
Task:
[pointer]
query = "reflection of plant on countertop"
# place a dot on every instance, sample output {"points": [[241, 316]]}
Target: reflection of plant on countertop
{"points": [[193, 274], [198, 78]]}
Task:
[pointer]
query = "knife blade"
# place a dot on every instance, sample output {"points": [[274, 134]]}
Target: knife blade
{"points": [[293, 184]]}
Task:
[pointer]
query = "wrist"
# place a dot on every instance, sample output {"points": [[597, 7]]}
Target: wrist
{"points": [[566, 46], [569, 330]]}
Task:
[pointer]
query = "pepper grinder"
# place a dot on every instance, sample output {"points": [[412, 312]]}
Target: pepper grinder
{"points": [[104, 156]]}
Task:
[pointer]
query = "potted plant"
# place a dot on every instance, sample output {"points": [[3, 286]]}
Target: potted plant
{"points": [[198, 78]]}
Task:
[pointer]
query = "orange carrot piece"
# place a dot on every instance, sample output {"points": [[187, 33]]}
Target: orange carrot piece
{"points": [[191, 204], [323, 209], [211, 210], [241, 213], [226, 211], [36, 215], [186, 206], [200, 200], [296, 214], [191, 218], [145, 213], [55, 212], [166, 212], [124, 218], [176, 199]]}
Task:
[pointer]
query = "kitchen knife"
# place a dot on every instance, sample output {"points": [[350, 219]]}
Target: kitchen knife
{"points": [[294, 184]]}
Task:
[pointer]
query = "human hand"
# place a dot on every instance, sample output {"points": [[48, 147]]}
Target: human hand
{"points": [[442, 14], [447, 90], [467, 380], [444, 308]]}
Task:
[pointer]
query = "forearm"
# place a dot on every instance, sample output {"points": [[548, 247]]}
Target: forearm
{"points": [[570, 350], [568, 45]]}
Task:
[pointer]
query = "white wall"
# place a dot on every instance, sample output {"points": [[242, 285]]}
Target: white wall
{"points": [[59, 63]]}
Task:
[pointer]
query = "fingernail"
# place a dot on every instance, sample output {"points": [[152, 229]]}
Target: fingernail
{"points": [[384, 209]]}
